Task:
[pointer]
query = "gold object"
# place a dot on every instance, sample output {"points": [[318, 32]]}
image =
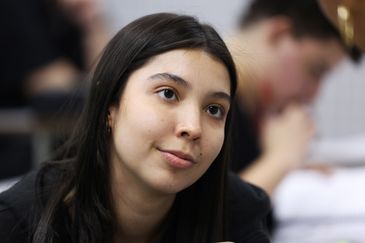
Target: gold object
{"points": [[345, 22]]}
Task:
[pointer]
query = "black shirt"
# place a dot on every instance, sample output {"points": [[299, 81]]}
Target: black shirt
{"points": [[33, 33], [247, 209], [245, 146]]}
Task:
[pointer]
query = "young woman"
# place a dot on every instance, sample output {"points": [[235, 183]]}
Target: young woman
{"points": [[147, 162]]}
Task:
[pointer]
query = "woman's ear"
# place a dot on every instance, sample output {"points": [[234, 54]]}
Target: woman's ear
{"points": [[111, 115]]}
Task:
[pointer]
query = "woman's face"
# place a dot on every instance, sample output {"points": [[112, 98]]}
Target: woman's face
{"points": [[169, 125]]}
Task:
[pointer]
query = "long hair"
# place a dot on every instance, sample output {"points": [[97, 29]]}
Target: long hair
{"points": [[197, 214]]}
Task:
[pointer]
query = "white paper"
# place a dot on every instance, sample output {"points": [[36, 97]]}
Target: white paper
{"points": [[315, 208]]}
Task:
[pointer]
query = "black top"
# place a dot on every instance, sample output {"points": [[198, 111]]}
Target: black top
{"points": [[33, 34], [247, 209], [245, 146]]}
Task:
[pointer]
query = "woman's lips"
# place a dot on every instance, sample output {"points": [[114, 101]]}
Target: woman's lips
{"points": [[178, 159]]}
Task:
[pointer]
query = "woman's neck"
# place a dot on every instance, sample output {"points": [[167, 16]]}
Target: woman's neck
{"points": [[139, 210]]}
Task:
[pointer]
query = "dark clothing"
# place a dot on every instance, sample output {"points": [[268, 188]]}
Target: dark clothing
{"points": [[245, 147], [15, 154], [34, 33], [247, 208], [17, 205]]}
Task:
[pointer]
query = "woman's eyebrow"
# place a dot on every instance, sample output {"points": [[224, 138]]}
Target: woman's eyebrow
{"points": [[221, 95], [169, 76], [179, 80]]}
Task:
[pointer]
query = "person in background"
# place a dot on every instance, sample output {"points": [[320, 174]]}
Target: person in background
{"points": [[47, 47], [147, 162], [283, 49]]}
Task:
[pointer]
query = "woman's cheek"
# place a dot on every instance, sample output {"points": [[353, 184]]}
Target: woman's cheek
{"points": [[214, 145]]}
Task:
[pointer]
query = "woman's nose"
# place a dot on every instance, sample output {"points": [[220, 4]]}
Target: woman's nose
{"points": [[189, 125]]}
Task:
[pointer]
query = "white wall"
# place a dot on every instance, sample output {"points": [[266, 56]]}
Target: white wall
{"points": [[220, 14], [340, 109]]}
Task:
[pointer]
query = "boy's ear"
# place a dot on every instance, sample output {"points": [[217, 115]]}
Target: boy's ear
{"points": [[278, 28]]}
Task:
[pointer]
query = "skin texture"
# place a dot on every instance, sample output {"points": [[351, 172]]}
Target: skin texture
{"points": [[279, 75], [174, 106]]}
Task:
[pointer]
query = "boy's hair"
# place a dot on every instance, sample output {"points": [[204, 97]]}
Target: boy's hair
{"points": [[306, 17]]}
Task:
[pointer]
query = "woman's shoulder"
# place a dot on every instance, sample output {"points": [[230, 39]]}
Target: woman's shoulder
{"points": [[11, 228], [18, 196], [248, 208], [22, 195], [15, 206], [245, 194], [18, 203]]}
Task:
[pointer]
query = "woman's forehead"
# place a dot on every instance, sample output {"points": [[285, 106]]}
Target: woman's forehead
{"points": [[194, 66]]}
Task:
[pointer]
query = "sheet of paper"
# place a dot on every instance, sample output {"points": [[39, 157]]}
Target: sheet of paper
{"points": [[313, 208]]}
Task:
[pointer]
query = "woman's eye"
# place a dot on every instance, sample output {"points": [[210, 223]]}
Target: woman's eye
{"points": [[216, 111], [167, 94]]}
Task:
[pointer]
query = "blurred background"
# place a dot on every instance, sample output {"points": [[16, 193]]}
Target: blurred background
{"points": [[339, 109], [309, 207]]}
